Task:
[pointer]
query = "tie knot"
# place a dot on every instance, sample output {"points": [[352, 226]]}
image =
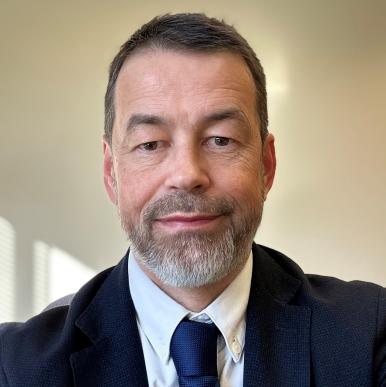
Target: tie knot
{"points": [[194, 349]]}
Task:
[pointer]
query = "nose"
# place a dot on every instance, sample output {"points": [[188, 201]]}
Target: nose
{"points": [[187, 171]]}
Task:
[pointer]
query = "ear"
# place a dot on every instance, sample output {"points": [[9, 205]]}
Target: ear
{"points": [[269, 163], [108, 171]]}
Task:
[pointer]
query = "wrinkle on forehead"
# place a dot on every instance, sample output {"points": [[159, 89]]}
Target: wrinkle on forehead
{"points": [[183, 84]]}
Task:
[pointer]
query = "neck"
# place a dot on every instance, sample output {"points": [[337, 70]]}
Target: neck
{"points": [[194, 299]]}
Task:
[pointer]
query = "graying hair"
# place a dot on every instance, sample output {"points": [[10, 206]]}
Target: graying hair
{"points": [[193, 32]]}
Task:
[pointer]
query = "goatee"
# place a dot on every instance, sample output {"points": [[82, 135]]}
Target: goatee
{"points": [[192, 259]]}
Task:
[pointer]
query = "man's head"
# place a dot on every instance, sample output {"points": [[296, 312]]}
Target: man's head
{"points": [[188, 33], [188, 163]]}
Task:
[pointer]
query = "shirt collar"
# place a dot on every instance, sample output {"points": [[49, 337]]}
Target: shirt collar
{"points": [[158, 314]]}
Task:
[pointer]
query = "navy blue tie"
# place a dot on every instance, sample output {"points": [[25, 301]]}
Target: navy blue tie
{"points": [[194, 351]]}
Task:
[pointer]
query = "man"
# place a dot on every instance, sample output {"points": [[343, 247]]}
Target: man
{"points": [[189, 162]]}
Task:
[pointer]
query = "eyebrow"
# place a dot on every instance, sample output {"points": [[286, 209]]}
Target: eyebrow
{"points": [[227, 114], [138, 119]]}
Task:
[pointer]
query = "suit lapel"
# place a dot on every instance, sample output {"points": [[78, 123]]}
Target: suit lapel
{"points": [[115, 357], [277, 349]]}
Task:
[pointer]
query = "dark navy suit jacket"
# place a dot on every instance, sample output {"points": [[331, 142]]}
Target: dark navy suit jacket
{"points": [[302, 330]]}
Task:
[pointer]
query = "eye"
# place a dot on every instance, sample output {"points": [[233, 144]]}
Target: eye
{"points": [[221, 141], [149, 146]]}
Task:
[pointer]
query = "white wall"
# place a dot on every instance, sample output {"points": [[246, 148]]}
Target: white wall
{"points": [[326, 70]]}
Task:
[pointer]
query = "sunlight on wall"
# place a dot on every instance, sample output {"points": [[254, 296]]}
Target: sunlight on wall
{"points": [[40, 276], [7, 265], [277, 82], [56, 274]]}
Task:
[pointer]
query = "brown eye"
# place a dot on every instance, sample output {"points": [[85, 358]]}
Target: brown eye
{"points": [[221, 141], [149, 146]]}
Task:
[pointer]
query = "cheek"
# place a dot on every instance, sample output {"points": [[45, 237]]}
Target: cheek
{"points": [[242, 179], [135, 189], [244, 188]]}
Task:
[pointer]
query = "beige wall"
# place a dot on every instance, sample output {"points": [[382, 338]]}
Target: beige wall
{"points": [[326, 69]]}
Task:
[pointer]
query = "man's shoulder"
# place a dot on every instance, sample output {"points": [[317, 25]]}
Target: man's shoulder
{"points": [[53, 318], [315, 281], [339, 309], [324, 290], [336, 303], [52, 334], [327, 287], [31, 349], [345, 321], [39, 331]]}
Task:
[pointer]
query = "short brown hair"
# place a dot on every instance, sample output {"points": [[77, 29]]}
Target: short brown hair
{"points": [[192, 32]]}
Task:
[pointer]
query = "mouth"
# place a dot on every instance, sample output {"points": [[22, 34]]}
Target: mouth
{"points": [[188, 221]]}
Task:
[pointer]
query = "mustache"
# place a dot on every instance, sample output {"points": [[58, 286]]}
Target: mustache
{"points": [[188, 203]]}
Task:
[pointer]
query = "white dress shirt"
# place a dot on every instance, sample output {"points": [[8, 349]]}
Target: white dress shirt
{"points": [[158, 315]]}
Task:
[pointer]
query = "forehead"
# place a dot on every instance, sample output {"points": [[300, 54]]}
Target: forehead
{"points": [[163, 81]]}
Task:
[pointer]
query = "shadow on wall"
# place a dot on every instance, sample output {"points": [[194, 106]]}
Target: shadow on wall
{"points": [[54, 273]]}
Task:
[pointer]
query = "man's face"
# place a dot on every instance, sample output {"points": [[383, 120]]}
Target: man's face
{"points": [[187, 167]]}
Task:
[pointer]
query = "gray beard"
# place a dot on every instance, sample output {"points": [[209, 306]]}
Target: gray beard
{"points": [[192, 259]]}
